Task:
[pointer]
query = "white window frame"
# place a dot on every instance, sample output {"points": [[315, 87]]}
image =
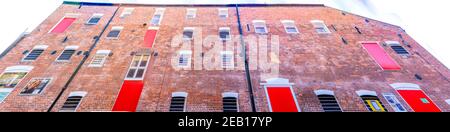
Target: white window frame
{"points": [[289, 23], [73, 47], [260, 23], [15, 69], [115, 28], [320, 24], [185, 53], [138, 67], [191, 12], [75, 93], [42, 90], [227, 29], [37, 47], [223, 12], [126, 12], [328, 92], [104, 54], [231, 63], [192, 29], [158, 11], [234, 95], [181, 94], [396, 43], [279, 82], [95, 15], [396, 101]]}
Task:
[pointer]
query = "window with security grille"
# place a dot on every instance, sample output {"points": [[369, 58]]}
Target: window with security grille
{"points": [[177, 104], [71, 104], [399, 50], [33, 55], [329, 103], [95, 19], [373, 103], [227, 59], [230, 104], [66, 55], [138, 67]]}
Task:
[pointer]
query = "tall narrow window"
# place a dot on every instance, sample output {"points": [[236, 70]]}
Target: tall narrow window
{"points": [[138, 67], [320, 27], [397, 47], [260, 26], [67, 53], [230, 102], [184, 59], [115, 32], [328, 101], [280, 96], [380, 56], [371, 101], [178, 101], [289, 26], [126, 12], [393, 101], [35, 86], [64, 24], [35, 53], [99, 59], [72, 102], [191, 13], [415, 97], [157, 17], [188, 33], [227, 59], [94, 19], [10, 78], [224, 33], [223, 13]]}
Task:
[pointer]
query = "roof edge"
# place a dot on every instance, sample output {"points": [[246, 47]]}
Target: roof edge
{"points": [[192, 5]]}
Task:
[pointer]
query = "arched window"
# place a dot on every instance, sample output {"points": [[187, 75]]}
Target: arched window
{"points": [[230, 102], [371, 101], [177, 104], [73, 101], [328, 101]]}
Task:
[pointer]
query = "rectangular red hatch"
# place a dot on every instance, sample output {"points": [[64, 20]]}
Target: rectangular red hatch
{"points": [[63, 25], [149, 38], [128, 96], [381, 57], [418, 101], [281, 99]]}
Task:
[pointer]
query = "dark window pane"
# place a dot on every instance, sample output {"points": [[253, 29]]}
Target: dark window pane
{"points": [[114, 33], [131, 73], [94, 20], [187, 34]]}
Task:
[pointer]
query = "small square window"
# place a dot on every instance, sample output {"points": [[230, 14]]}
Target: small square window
{"points": [[156, 20], [223, 13], [224, 33], [191, 13], [289, 26], [99, 59], [114, 33], [188, 33], [320, 27], [95, 19], [227, 59], [35, 86], [126, 12], [260, 26]]}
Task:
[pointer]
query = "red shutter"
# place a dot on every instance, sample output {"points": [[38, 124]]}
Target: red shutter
{"points": [[149, 38], [129, 96], [63, 25], [281, 99], [413, 98], [381, 57]]}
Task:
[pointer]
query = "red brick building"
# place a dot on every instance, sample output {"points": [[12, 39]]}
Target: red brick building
{"points": [[158, 58]]}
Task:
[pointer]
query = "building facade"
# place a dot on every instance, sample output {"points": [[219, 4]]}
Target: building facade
{"points": [[89, 57]]}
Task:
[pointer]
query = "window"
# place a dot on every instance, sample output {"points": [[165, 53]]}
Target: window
{"points": [[320, 27], [393, 101], [289, 26], [35, 53], [157, 17], [178, 101], [447, 101], [126, 12], [67, 53], [224, 33], [99, 59], [35, 86], [230, 103], [115, 32], [371, 101], [72, 102], [227, 59], [94, 19], [328, 101], [223, 13], [64, 23], [10, 78], [260, 26], [188, 33], [280, 96], [380, 56], [397, 47], [191, 13], [185, 59], [138, 67], [415, 97]]}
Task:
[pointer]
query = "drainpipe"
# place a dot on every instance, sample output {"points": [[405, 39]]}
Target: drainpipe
{"points": [[247, 70], [97, 39]]}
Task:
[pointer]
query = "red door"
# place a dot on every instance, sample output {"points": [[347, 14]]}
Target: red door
{"points": [[149, 38], [63, 25], [418, 101], [381, 57], [128, 96], [281, 99]]}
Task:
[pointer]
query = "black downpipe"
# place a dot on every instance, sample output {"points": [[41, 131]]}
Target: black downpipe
{"points": [[97, 39], [247, 70]]}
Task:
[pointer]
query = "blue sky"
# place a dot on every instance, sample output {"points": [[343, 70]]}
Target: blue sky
{"points": [[425, 20]]}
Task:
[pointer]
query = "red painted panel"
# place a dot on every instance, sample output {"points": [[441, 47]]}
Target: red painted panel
{"points": [[63, 25], [281, 99], [381, 57], [413, 98], [129, 96], [149, 38]]}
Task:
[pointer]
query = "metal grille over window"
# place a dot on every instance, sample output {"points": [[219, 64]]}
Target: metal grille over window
{"points": [[71, 104], [66, 55], [329, 103], [33, 55], [177, 104], [230, 104]]}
